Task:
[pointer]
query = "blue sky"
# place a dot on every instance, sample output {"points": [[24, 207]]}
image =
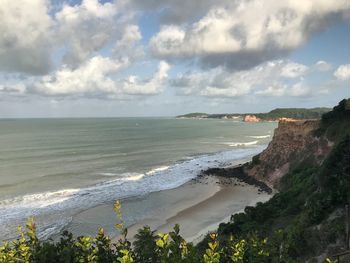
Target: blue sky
{"points": [[95, 58]]}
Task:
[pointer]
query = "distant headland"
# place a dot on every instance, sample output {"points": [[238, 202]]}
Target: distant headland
{"points": [[274, 115]]}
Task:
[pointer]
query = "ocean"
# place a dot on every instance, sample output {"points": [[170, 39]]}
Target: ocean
{"points": [[53, 169]]}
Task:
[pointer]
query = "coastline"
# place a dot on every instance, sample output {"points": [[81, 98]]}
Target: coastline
{"points": [[203, 203]]}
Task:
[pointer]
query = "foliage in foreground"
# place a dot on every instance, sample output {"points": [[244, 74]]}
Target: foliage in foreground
{"points": [[147, 248]]}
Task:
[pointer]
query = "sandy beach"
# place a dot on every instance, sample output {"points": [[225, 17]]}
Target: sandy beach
{"points": [[200, 206]]}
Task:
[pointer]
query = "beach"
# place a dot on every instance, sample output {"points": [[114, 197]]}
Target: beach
{"points": [[198, 206], [215, 200]]}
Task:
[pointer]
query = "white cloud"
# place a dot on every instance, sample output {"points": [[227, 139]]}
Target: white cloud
{"points": [[88, 27], [24, 39], [276, 90], [97, 78], [299, 90], [273, 78], [342, 72], [128, 45], [293, 70], [131, 35], [133, 86], [242, 34], [218, 92], [32, 33], [91, 77]]}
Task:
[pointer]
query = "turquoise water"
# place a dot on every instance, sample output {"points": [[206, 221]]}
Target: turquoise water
{"points": [[54, 168]]}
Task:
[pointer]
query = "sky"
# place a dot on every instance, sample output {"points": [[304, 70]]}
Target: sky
{"points": [[119, 58]]}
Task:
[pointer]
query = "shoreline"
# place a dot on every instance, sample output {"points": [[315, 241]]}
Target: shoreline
{"points": [[217, 193], [238, 173]]}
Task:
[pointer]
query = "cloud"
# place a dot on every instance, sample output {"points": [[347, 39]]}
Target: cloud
{"points": [[171, 12], [275, 90], [293, 70], [87, 48], [92, 77], [342, 72], [273, 78], [25, 28], [86, 28], [128, 45], [35, 35], [243, 34], [96, 78], [130, 36], [298, 89], [132, 86], [17, 88]]}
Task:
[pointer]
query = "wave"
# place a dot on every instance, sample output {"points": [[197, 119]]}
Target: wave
{"points": [[157, 170], [53, 210], [260, 136], [108, 174], [237, 144]]}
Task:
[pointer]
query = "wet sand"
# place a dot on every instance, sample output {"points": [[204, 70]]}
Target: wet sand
{"points": [[198, 206], [211, 201]]}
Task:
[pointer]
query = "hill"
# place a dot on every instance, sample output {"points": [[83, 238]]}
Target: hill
{"points": [[307, 217], [274, 115], [294, 113]]}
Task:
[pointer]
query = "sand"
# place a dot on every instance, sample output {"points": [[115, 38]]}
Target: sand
{"points": [[198, 206], [201, 206]]}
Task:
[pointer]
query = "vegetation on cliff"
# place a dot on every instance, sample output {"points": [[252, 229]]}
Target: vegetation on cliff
{"points": [[307, 216], [336, 123], [293, 113]]}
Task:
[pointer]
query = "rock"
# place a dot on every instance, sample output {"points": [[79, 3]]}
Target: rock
{"points": [[251, 118]]}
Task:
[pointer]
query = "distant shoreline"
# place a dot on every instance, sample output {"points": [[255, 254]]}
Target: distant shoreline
{"points": [[272, 116]]}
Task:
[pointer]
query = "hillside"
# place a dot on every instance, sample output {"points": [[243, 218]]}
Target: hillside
{"points": [[309, 163], [274, 115], [293, 113]]}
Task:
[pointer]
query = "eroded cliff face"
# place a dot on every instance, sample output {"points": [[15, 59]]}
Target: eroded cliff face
{"points": [[251, 118], [293, 144]]}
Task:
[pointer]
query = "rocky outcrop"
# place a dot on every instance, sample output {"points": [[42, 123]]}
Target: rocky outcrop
{"points": [[251, 118], [293, 144]]}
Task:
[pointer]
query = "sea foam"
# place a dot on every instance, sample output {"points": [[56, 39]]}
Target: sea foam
{"points": [[260, 136], [236, 144]]}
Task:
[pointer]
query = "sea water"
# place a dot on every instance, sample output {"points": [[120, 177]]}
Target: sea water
{"points": [[53, 169]]}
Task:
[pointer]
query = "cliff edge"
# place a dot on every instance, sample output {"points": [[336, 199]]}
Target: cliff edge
{"points": [[294, 143], [309, 163]]}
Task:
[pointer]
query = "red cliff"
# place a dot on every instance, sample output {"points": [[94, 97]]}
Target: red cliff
{"points": [[251, 118], [293, 143]]}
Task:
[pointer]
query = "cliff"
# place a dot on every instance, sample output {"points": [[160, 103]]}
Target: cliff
{"points": [[309, 162], [293, 143], [251, 118]]}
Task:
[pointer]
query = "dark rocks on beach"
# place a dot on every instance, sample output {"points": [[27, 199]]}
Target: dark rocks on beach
{"points": [[238, 173]]}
